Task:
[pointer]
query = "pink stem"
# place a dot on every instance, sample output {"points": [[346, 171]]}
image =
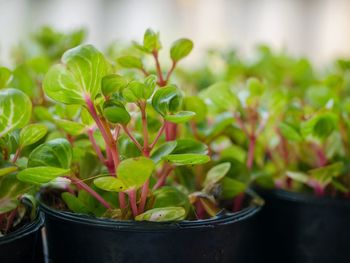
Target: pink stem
{"points": [[122, 202], [10, 220], [251, 151], [138, 145], [160, 132], [18, 152], [163, 177], [170, 131], [95, 146], [132, 198], [170, 71], [237, 203], [144, 193], [80, 184], [162, 83], [146, 149]]}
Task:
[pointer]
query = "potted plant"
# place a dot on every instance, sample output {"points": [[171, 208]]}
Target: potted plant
{"points": [[131, 182], [20, 224], [295, 132]]}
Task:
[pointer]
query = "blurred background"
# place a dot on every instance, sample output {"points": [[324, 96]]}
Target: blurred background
{"points": [[318, 29]]}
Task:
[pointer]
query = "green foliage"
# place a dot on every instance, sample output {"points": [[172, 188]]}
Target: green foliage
{"points": [[181, 48], [162, 214]]}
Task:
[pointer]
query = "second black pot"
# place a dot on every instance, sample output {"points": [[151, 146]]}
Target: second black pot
{"points": [[23, 245], [297, 228], [77, 238]]}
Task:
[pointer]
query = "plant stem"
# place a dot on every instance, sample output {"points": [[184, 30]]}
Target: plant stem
{"points": [[144, 72], [95, 146], [161, 180], [132, 199], [80, 184], [170, 71], [10, 219], [162, 83], [170, 131], [146, 149], [122, 202], [161, 130], [144, 193], [17, 154], [237, 203], [138, 145], [251, 151]]}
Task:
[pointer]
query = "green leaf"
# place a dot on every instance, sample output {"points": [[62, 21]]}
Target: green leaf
{"points": [[130, 62], [115, 112], [187, 159], [180, 117], [31, 134], [216, 174], [167, 100], [196, 105], [298, 176], [136, 91], [111, 184], [163, 150], [134, 172], [70, 127], [163, 214], [10, 192], [151, 42], [41, 174], [325, 174], [190, 146], [113, 83], [8, 170], [321, 125], [15, 110], [80, 77], [180, 49], [151, 82], [231, 188], [255, 87], [74, 204], [289, 132], [56, 153], [221, 96], [167, 196], [5, 75]]}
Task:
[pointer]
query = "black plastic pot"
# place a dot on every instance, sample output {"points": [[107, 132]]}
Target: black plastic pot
{"points": [[23, 245], [297, 228], [77, 238]]}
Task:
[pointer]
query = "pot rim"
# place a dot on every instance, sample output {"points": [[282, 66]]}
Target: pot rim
{"points": [[303, 197], [24, 231], [130, 225]]}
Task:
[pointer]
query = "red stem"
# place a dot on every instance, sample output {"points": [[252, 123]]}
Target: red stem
{"points": [[132, 199], [170, 71], [122, 202], [161, 130], [251, 151], [18, 152], [10, 219], [80, 184], [162, 83], [144, 193], [146, 149], [138, 145], [170, 131], [95, 146], [161, 180], [237, 203]]}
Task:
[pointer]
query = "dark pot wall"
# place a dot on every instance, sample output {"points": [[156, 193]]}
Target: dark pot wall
{"points": [[74, 238], [296, 228], [23, 245]]}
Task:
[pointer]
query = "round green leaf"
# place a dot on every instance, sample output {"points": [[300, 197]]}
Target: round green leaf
{"points": [[80, 77], [187, 159], [115, 112], [5, 75], [167, 196], [130, 62], [113, 83], [15, 110], [41, 174], [196, 105], [180, 49], [289, 132], [163, 150], [167, 100], [109, 183], [70, 127], [31, 134], [217, 173], [162, 214], [134, 172], [221, 96], [151, 42], [180, 117], [55, 153]]}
